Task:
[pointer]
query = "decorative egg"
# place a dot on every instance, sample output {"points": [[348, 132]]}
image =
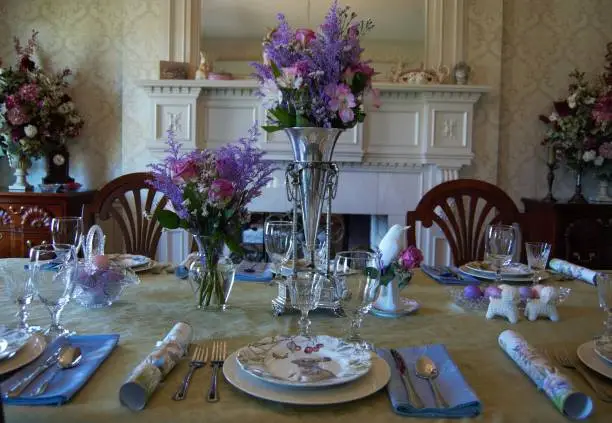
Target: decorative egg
{"points": [[101, 261], [472, 292], [526, 292], [492, 291], [503, 286], [536, 290]]}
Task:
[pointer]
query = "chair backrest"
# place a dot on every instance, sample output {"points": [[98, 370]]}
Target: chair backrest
{"points": [[462, 209], [130, 202]]}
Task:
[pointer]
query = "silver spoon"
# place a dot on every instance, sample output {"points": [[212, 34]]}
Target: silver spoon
{"points": [[426, 369], [68, 358]]}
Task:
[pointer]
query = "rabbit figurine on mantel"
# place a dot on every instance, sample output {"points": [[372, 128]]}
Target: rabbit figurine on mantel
{"points": [[204, 68]]}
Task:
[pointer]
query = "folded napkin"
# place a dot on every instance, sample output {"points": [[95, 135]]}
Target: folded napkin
{"points": [[254, 272], [577, 272], [462, 401], [65, 383], [572, 403], [448, 275]]}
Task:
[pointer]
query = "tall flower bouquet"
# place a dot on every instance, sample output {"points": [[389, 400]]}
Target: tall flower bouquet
{"points": [[602, 113], [315, 79], [36, 113], [209, 192]]}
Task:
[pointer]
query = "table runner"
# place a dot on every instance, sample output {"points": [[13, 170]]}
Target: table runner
{"points": [[145, 312]]}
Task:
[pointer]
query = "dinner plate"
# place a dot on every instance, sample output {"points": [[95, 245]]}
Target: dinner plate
{"points": [[505, 277], [376, 379], [130, 260], [298, 361], [12, 341], [407, 306], [144, 267], [605, 355], [511, 270], [28, 353], [586, 354]]}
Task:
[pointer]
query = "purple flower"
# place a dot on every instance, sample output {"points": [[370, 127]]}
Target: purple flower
{"points": [[410, 258], [221, 191], [304, 36], [342, 101], [29, 92]]}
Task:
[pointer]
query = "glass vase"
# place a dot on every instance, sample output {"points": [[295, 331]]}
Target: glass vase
{"points": [[211, 275]]}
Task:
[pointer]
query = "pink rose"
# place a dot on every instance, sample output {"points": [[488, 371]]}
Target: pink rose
{"points": [[184, 170], [16, 116], [10, 101], [410, 258], [221, 190], [304, 36]]}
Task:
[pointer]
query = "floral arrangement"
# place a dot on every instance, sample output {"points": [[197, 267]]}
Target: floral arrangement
{"points": [[36, 114], [401, 267], [209, 192], [315, 79]]}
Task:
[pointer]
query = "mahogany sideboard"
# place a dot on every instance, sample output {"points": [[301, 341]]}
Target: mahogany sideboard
{"points": [[580, 233], [25, 217]]}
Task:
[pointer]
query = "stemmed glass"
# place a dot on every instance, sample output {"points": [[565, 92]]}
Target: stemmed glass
{"points": [[604, 289], [16, 279], [500, 247], [53, 273], [67, 230], [305, 293], [357, 286], [537, 257], [278, 234]]}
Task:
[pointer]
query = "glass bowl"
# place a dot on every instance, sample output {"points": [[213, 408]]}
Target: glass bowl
{"points": [[482, 303], [97, 287], [49, 187]]}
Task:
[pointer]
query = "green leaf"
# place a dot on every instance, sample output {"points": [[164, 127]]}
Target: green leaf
{"points": [[233, 244], [168, 219], [272, 128], [301, 120], [371, 272], [275, 70]]}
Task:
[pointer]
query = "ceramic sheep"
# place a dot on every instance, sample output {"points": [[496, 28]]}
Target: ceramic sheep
{"points": [[544, 306], [505, 306]]}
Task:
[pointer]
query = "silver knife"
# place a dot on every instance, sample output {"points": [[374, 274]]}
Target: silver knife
{"points": [[413, 397], [18, 387]]}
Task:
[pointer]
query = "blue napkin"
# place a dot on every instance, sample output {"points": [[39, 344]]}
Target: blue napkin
{"points": [[447, 275], [462, 401], [63, 383], [261, 272], [181, 272]]}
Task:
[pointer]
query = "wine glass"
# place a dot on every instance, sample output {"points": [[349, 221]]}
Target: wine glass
{"points": [[305, 292], [357, 285], [278, 234], [537, 257], [53, 273], [500, 247], [18, 284], [604, 290], [67, 230]]}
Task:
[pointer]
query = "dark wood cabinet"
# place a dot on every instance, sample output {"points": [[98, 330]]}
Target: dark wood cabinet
{"points": [[25, 217], [580, 233]]}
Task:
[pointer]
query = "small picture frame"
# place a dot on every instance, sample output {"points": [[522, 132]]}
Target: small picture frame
{"points": [[173, 70]]}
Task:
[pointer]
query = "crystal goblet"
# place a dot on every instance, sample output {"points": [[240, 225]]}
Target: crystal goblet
{"points": [[604, 290], [500, 244], [277, 240], [305, 293], [18, 284], [537, 258]]}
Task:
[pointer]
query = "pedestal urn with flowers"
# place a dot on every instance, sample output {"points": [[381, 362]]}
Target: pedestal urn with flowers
{"points": [[314, 86], [37, 116], [209, 191]]}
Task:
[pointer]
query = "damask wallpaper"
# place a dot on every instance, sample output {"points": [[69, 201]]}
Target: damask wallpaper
{"points": [[522, 49]]}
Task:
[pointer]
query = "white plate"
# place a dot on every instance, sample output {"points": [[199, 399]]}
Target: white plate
{"points": [[376, 379], [586, 354], [505, 277], [144, 267], [298, 361], [28, 353], [12, 341], [513, 269], [129, 260], [408, 306]]}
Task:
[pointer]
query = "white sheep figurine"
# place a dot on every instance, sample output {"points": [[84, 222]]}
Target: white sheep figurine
{"points": [[544, 306], [506, 306]]}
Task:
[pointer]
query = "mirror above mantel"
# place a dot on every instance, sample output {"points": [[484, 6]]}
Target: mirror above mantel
{"points": [[232, 30]]}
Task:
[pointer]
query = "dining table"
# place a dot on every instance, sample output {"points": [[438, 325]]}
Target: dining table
{"points": [[147, 311]]}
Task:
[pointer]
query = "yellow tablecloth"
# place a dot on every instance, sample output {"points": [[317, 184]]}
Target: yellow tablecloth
{"points": [[147, 311]]}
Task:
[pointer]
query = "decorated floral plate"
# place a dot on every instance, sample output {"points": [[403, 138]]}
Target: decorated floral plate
{"points": [[298, 361], [482, 303], [12, 341], [506, 277], [130, 260], [512, 270]]}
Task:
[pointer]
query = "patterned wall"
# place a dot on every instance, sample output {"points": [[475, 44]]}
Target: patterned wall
{"points": [[522, 49]]}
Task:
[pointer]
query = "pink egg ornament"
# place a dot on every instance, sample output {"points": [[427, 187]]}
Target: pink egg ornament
{"points": [[472, 292], [492, 292], [536, 289], [101, 262], [526, 292]]}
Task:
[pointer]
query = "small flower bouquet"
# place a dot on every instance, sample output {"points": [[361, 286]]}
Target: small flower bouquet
{"points": [[315, 79], [400, 269], [36, 114], [209, 192]]}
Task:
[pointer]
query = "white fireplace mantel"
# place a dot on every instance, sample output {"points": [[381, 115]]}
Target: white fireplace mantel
{"points": [[416, 124]]}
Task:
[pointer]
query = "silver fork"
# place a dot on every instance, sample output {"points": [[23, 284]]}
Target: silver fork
{"points": [[219, 351], [567, 361], [198, 359]]}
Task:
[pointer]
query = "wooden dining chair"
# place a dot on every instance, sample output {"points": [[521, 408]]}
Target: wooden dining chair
{"points": [[462, 209], [130, 202]]}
